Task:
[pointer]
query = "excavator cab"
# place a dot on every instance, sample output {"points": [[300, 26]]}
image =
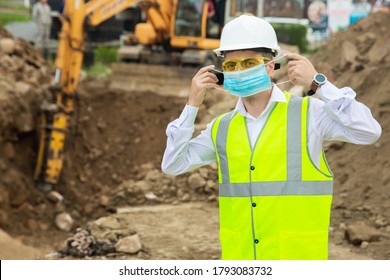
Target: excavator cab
{"points": [[195, 32], [188, 18]]}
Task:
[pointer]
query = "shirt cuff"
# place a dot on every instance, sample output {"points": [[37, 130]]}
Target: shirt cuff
{"points": [[188, 116], [328, 92]]}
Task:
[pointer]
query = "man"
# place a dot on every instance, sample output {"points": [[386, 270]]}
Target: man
{"points": [[61, 8], [42, 17], [275, 188]]}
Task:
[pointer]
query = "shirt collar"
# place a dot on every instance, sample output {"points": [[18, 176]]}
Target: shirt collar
{"points": [[276, 96]]}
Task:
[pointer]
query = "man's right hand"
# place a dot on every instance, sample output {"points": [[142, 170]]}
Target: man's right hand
{"points": [[200, 83]]}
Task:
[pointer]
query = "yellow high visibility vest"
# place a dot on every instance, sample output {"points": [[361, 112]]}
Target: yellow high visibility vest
{"points": [[274, 203]]}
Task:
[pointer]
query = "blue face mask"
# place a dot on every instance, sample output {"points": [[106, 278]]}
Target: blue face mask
{"points": [[247, 82]]}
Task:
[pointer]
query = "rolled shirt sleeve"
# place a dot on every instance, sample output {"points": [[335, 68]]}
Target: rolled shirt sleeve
{"points": [[345, 119]]}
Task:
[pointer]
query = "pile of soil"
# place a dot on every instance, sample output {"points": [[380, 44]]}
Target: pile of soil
{"points": [[360, 58], [24, 80]]}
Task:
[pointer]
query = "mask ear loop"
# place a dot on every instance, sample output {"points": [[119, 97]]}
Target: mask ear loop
{"points": [[280, 57]]}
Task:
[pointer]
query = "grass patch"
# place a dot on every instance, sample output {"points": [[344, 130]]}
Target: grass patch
{"points": [[293, 34], [102, 58], [98, 69], [106, 55], [7, 18], [12, 5]]}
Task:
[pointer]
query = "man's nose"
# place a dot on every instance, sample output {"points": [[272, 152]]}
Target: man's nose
{"points": [[238, 67]]}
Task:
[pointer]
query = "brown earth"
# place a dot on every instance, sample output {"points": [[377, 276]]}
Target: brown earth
{"points": [[116, 143]]}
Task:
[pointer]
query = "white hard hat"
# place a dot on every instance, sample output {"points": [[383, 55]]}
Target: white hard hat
{"points": [[247, 32]]}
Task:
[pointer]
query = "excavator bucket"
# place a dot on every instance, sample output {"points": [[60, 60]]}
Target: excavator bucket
{"points": [[163, 80]]}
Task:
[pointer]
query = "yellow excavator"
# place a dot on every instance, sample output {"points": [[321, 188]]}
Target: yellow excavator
{"points": [[174, 31]]}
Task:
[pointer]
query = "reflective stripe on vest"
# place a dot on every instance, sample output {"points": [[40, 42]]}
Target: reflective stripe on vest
{"points": [[275, 206]]}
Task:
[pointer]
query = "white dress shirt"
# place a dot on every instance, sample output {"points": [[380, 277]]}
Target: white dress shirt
{"points": [[337, 116]]}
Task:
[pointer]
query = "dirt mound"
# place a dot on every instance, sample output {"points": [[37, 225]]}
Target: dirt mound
{"points": [[24, 79], [360, 58]]}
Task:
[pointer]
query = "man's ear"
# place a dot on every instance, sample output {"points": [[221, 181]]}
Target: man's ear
{"points": [[270, 67]]}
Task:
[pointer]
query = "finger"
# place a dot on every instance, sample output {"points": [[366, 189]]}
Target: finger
{"points": [[208, 75], [293, 81], [204, 70], [290, 70], [208, 79], [293, 63], [213, 77], [294, 56], [211, 85]]}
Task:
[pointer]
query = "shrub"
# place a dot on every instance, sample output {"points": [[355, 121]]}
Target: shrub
{"points": [[293, 34]]}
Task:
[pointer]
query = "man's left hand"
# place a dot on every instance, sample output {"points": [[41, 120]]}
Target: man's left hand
{"points": [[300, 70]]}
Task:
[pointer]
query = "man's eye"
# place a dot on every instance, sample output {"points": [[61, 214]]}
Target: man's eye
{"points": [[230, 65], [250, 63]]}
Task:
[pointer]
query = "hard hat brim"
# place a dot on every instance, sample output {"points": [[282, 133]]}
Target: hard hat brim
{"points": [[219, 51]]}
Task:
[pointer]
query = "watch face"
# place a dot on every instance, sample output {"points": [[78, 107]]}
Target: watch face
{"points": [[320, 78]]}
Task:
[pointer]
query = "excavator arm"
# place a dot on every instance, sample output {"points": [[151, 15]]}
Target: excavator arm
{"points": [[159, 29], [56, 112]]}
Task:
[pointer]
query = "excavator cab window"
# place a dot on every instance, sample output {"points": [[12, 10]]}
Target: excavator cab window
{"points": [[189, 18]]}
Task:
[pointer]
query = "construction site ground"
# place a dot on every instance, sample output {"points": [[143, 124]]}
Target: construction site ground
{"points": [[112, 183]]}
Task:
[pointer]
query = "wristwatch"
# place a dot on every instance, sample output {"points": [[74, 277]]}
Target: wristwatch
{"points": [[318, 80]]}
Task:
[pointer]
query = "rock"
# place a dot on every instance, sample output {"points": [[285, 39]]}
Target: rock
{"points": [[380, 222], [64, 221], [32, 224], [380, 49], [43, 226], [342, 226], [107, 222], [104, 200], [185, 198], [211, 186], [143, 186], [349, 54], [214, 166], [145, 168], [364, 245], [82, 178], [7, 45], [203, 172], [9, 150], [22, 87], [365, 41], [89, 207], [196, 181], [54, 196], [151, 196], [130, 244], [154, 175], [359, 232]]}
